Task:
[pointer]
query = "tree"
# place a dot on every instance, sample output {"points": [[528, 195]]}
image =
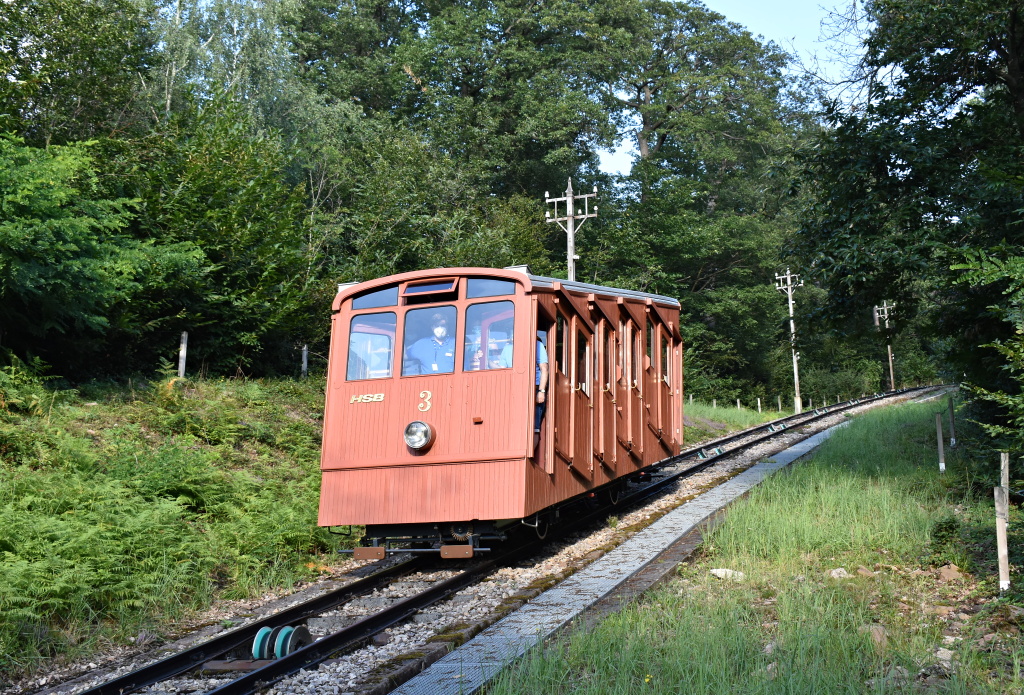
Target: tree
{"points": [[922, 172], [64, 256], [71, 68], [214, 188]]}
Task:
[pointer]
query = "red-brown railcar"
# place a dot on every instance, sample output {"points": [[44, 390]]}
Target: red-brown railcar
{"points": [[431, 440]]}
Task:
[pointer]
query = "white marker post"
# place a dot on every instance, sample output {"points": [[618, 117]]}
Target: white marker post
{"points": [[952, 425], [305, 360], [938, 434], [182, 350], [759, 405], [1002, 515]]}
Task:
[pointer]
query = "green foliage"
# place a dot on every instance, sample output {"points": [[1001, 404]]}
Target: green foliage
{"points": [[149, 502], [229, 230], [22, 387], [71, 69], [985, 268], [64, 256], [925, 168]]}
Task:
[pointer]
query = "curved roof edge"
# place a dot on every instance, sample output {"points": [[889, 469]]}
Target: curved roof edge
{"points": [[517, 272]]}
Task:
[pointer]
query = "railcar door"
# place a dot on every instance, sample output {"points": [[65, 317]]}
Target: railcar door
{"points": [[637, 412], [668, 432], [562, 383], [583, 406]]}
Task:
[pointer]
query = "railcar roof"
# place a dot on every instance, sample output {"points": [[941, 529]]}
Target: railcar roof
{"points": [[535, 280], [541, 281]]}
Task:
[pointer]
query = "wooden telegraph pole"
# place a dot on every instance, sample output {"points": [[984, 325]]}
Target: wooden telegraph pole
{"points": [[882, 313], [786, 284], [572, 220]]}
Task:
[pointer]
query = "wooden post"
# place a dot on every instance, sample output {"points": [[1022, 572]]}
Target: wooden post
{"points": [[938, 434], [1002, 513], [952, 425], [305, 360], [759, 405], [1004, 477], [182, 349]]}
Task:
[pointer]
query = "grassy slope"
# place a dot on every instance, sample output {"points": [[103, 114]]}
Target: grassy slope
{"points": [[871, 498], [704, 422], [123, 508]]}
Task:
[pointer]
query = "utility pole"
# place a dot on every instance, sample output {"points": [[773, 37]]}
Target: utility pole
{"points": [[882, 313], [573, 219], [786, 284]]}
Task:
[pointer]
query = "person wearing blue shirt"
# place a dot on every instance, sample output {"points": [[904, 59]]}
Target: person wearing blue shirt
{"points": [[434, 354], [541, 381]]}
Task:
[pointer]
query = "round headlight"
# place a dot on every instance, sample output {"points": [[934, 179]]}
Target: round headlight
{"points": [[418, 435]]}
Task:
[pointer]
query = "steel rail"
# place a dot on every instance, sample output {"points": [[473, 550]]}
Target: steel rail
{"points": [[657, 485], [192, 657], [357, 633], [322, 649]]}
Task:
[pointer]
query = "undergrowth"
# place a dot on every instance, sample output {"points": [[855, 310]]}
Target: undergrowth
{"points": [[132, 505], [841, 589]]}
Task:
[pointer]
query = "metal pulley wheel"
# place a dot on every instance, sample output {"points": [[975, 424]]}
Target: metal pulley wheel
{"points": [[274, 643]]}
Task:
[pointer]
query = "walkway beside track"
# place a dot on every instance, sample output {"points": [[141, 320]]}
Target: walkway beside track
{"points": [[469, 668]]}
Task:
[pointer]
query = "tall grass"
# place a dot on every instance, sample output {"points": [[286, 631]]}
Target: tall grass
{"points": [[130, 507], [871, 498]]}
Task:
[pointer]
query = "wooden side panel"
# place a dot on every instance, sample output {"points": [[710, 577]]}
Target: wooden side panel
{"points": [[423, 494]]}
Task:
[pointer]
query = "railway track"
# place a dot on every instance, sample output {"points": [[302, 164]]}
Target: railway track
{"points": [[234, 649]]}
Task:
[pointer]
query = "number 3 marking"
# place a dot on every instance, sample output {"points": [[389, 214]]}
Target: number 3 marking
{"points": [[425, 405]]}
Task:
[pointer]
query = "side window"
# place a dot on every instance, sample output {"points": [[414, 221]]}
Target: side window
{"points": [[635, 370], [623, 352], [371, 340], [609, 358], [582, 363], [666, 363], [429, 342], [650, 343], [489, 336], [560, 345]]}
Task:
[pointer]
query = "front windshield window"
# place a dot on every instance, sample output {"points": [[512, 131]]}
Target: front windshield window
{"points": [[489, 336], [429, 344], [370, 339]]}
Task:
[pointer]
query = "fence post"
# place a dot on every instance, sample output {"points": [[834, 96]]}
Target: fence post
{"points": [[1002, 514], [182, 349], [938, 434], [952, 425], [305, 360]]}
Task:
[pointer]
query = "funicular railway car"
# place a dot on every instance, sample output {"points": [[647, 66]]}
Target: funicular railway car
{"points": [[432, 436]]}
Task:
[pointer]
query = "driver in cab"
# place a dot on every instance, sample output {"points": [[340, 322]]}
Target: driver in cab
{"points": [[434, 354]]}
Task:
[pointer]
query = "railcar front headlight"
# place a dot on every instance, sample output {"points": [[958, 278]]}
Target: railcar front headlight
{"points": [[419, 435]]}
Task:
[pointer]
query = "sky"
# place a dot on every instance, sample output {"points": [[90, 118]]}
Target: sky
{"points": [[795, 25]]}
